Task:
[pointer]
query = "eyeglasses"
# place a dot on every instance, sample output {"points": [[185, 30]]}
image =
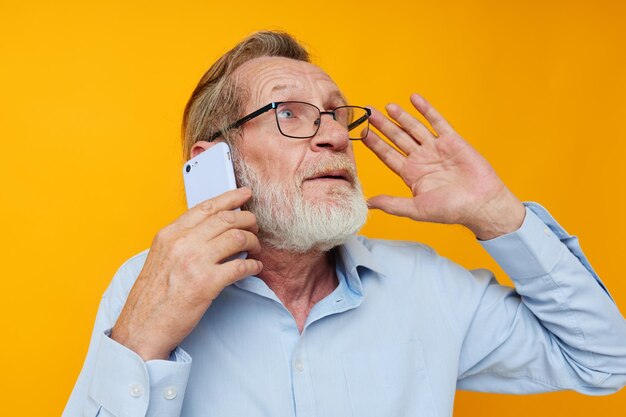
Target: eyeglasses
{"points": [[300, 120]]}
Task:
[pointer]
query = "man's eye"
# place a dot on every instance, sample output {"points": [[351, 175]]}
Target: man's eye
{"points": [[286, 114]]}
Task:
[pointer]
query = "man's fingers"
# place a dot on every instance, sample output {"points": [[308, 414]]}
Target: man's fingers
{"points": [[410, 124], [222, 221], [231, 242], [236, 269], [385, 152], [398, 206], [229, 200], [435, 119], [403, 140]]}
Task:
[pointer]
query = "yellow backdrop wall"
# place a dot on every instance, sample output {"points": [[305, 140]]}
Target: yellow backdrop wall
{"points": [[92, 97]]}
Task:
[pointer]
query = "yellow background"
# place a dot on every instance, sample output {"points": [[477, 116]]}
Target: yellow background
{"points": [[91, 102]]}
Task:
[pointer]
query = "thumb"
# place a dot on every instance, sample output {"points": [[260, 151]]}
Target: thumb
{"points": [[397, 206]]}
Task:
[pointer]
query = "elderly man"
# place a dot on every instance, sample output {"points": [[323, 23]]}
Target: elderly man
{"points": [[317, 321]]}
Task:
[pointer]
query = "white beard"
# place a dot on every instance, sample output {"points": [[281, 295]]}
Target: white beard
{"points": [[287, 221]]}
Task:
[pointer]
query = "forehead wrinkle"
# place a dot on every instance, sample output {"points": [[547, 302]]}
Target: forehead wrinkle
{"points": [[268, 75], [264, 84]]}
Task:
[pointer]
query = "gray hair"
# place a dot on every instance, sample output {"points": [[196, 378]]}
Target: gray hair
{"points": [[217, 100]]}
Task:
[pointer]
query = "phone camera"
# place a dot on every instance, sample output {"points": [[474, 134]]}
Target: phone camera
{"points": [[188, 168]]}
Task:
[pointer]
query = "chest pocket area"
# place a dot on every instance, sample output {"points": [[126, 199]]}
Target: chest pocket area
{"points": [[389, 379]]}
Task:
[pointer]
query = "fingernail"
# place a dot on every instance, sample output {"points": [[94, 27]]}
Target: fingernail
{"points": [[391, 107]]}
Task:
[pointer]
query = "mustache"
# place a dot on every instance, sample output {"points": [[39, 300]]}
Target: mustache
{"points": [[329, 163]]}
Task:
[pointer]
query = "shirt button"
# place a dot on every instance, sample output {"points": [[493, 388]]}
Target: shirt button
{"points": [[170, 393], [546, 231], [136, 390], [299, 365]]}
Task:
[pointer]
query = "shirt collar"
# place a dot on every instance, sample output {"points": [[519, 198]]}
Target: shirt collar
{"points": [[351, 256], [354, 254]]}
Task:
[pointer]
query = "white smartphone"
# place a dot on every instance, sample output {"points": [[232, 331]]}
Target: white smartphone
{"points": [[208, 175]]}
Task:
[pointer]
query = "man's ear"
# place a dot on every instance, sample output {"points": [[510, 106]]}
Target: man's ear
{"points": [[201, 146]]}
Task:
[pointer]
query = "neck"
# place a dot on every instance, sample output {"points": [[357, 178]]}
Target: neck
{"points": [[298, 279]]}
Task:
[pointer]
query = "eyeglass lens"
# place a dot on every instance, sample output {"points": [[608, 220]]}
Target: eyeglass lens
{"points": [[301, 120]]}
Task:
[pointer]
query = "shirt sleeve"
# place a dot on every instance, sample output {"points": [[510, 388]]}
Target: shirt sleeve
{"points": [[115, 381], [558, 329]]}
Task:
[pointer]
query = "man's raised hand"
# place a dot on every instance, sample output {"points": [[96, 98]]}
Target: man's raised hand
{"points": [[449, 180]]}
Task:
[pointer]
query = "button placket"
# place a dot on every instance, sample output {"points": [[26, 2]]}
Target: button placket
{"points": [[303, 392]]}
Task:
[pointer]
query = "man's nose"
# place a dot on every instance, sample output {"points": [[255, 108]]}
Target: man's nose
{"points": [[331, 135]]}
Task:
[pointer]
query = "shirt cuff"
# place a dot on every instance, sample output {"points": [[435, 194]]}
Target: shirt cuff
{"points": [[125, 385], [534, 248]]}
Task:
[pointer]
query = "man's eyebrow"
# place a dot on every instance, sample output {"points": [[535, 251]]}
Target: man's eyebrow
{"points": [[280, 87], [334, 96]]}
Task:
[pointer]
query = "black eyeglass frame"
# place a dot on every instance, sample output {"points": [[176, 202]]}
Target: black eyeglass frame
{"points": [[274, 105]]}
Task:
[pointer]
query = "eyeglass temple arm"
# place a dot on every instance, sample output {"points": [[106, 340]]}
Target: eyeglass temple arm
{"points": [[244, 120], [360, 119]]}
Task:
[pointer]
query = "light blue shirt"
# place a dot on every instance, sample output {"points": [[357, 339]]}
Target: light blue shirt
{"points": [[401, 332]]}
